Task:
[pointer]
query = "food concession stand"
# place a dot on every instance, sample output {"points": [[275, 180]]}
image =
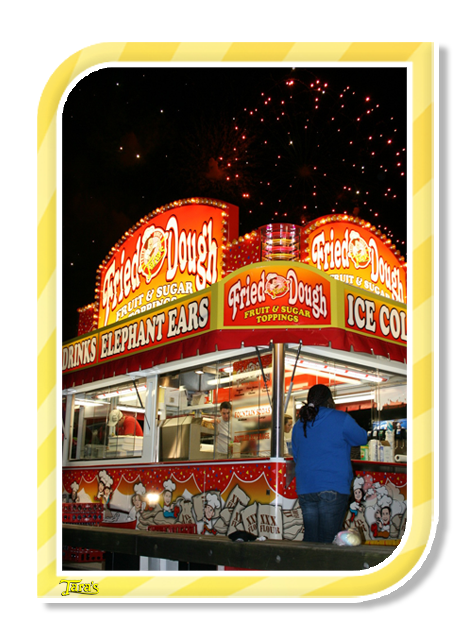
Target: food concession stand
{"points": [[187, 315]]}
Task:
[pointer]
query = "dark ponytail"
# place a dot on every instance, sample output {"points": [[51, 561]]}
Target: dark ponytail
{"points": [[318, 395]]}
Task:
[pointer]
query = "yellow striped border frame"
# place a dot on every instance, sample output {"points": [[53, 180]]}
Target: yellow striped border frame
{"points": [[407, 559]]}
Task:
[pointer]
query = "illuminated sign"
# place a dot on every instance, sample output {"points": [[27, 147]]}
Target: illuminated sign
{"points": [[351, 250], [273, 295], [277, 295], [81, 353], [173, 322], [375, 317], [175, 251]]}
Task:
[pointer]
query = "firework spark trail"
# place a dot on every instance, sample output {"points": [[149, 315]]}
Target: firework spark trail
{"points": [[325, 149]]}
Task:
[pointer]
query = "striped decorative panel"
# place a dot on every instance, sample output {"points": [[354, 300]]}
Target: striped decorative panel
{"points": [[415, 545]]}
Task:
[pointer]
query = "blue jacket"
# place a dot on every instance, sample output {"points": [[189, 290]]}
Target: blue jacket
{"points": [[323, 461]]}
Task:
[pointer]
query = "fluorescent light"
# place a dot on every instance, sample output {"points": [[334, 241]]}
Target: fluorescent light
{"points": [[331, 370], [90, 402], [344, 398], [330, 376], [354, 398], [131, 409], [302, 391], [238, 376], [123, 391]]}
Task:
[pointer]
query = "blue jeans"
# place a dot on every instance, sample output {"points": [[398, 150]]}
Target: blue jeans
{"points": [[323, 515]]}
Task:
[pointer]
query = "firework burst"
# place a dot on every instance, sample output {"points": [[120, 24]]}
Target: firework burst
{"points": [[327, 146], [216, 158]]}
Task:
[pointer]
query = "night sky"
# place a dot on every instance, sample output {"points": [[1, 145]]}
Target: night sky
{"points": [[284, 144]]}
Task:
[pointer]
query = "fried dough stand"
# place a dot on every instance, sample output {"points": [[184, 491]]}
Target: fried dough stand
{"points": [[187, 317]]}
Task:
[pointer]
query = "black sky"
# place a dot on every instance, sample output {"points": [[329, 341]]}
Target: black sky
{"points": [[300, 143]]}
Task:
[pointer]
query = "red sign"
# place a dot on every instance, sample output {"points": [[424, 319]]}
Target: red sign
{"points": [[271, 295], [79, 354], [353, 251], [176, 252], [277, 295], [174, 322]]}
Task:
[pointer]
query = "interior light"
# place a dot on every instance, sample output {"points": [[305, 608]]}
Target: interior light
{"points": [[238, 376], [355, 398], [123, 391], [131, 409], [324, 368], [90, 402], [369, 396], [330, 376]]}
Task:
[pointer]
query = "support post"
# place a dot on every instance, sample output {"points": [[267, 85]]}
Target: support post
{"points": [[278, 387]]}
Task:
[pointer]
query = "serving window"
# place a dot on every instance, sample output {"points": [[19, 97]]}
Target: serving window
{"points": [[108, 422], [222, 409], [217, 411], [375, 397]]}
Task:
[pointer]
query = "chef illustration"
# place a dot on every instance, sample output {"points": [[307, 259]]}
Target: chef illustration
{"points": [[100, 491], [383, 514], [276, 286], [358, 250], [74, 492], [211, 503], [105, 487], [358, 494], [137, 501], [153, 252], [381, 525], [169, 510]]}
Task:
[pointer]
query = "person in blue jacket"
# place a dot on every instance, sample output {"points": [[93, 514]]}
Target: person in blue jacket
{"points": [[321, 441]]}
